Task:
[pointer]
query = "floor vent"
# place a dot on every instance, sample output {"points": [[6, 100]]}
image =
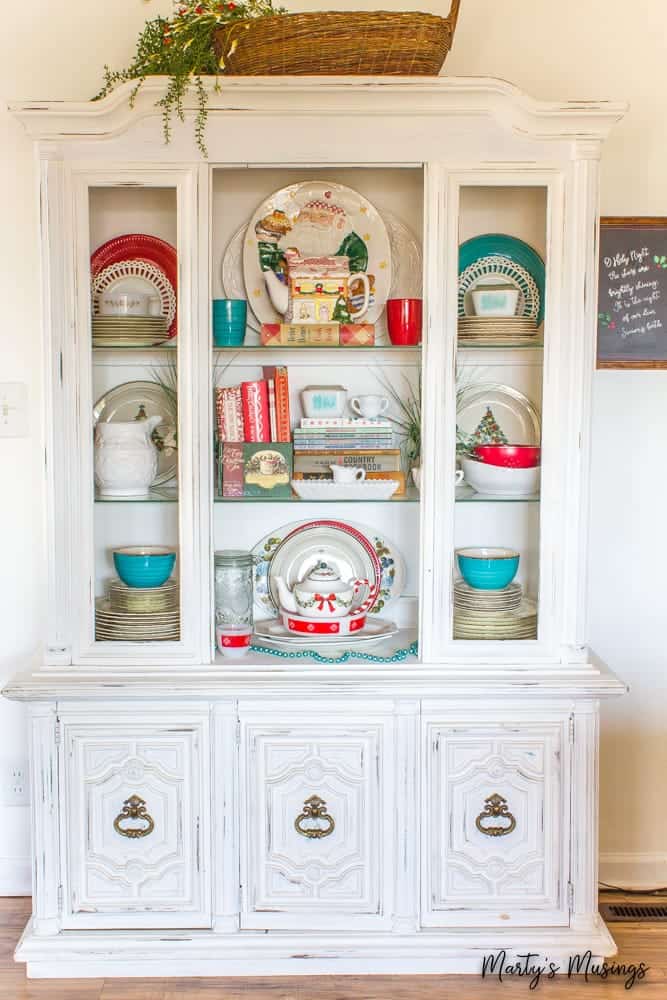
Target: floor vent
{"points": [[633, 911]]}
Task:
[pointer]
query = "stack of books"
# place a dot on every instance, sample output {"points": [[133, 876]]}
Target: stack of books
{"points": [[320, 442], [255, 411], [253, 440], [343, 433]]}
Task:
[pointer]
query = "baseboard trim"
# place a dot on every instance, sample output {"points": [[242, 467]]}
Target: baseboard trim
{"points": [[15, 877], [627, 870]]}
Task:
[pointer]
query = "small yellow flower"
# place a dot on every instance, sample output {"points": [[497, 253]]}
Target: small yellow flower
{"points": [[257, 292], [383, 264], [367, 237]]}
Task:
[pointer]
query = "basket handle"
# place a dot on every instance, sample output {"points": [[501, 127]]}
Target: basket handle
{"points": [[453, 15]]}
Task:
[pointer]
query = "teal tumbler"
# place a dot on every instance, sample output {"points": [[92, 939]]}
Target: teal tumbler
{"points": [[229, 322]]}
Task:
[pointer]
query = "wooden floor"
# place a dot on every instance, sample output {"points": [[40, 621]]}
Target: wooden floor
{"points": [[637, 943]]}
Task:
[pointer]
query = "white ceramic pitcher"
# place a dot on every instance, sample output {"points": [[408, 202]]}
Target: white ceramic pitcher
{"points": [[126, 458]]}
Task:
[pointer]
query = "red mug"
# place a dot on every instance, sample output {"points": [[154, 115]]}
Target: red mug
{"points": [[404, 320]]}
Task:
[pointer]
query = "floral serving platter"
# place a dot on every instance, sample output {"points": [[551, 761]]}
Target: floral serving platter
{"points": [[318, 218], [391, 564]]}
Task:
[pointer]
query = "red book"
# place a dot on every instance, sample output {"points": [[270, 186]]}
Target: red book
{"points": [[281, 391], [255, 396]]}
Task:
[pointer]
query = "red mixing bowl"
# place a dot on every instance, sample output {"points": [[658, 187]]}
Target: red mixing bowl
{"points": [[510, 456]]}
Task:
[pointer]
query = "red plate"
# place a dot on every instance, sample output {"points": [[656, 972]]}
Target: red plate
{"points": [[509, 456], [374, 588], [138, 246]]}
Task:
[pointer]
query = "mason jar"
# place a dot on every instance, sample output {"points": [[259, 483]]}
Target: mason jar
{"points": [[234, 575]]}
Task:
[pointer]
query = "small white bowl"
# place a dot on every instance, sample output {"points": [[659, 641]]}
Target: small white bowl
{"points": [[499, 480], [495, 300]]}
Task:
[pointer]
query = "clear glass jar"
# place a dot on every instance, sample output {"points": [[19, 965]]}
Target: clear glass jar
{"points": [[234, 576]]}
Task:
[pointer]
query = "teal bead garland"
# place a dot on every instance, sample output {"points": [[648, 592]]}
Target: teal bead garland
{"points": [[397, 657]]}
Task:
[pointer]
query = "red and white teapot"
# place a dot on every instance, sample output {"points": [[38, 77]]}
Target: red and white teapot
{"points": [[323, 594]]}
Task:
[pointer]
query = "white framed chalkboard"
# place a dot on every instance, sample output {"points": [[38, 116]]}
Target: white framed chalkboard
{"points": [[632, 293]]}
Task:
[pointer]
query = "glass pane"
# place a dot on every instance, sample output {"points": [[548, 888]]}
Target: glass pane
{"points": [[133, 235], [502, 236], [285, 409]]}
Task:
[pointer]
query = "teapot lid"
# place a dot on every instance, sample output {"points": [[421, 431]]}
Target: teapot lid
{"points": [[322, 574]]}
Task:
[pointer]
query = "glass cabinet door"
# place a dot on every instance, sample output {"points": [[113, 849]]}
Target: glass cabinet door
{"points": [[136, 352], [500, 323], [499, 286]]}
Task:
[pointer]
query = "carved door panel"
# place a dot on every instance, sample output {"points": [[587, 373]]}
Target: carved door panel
{"points": [[135, 824], [316, 818], [496, 831]]}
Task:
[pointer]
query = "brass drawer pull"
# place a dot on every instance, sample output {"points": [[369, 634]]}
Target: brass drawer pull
{"points": [[133, 808], [495, 808], [314, 808]]}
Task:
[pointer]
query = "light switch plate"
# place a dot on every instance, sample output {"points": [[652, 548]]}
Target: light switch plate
{"points": [[13, 409]]}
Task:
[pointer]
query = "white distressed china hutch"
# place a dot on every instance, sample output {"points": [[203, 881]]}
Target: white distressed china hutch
{"points": [[410, 755]]}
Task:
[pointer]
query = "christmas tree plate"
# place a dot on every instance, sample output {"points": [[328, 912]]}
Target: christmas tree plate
{"points": [[319, 219], [496, 414]]}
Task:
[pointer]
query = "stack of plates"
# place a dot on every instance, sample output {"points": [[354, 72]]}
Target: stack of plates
{"points": [[468, 598], [132, 614], [139, 600], [129, 331], [494, 625], [497, 329]]}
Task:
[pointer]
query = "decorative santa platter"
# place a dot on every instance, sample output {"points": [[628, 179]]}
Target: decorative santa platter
{"points": [[319, 219]]}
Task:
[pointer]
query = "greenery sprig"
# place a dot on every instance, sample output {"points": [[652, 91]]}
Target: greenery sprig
{"points": [[181, 48]]}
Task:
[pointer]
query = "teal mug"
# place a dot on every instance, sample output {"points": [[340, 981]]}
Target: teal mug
{"points": [[229, 322]]}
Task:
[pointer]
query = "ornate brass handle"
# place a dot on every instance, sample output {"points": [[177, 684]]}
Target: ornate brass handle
{"points": [[133, 808], [495, 808], [314, 808]]}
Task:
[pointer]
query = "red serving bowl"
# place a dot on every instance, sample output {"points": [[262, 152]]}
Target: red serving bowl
{"points": [[510, 456]]}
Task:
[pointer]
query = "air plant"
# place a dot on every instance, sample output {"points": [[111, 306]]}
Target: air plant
{"points": [[165, 435], [408, 405]]}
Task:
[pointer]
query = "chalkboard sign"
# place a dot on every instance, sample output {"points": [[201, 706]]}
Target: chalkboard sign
{"points": [[632, 297]]}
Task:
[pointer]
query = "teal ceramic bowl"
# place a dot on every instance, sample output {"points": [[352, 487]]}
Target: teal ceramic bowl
{"points": [[488, 568], [144, 565]]}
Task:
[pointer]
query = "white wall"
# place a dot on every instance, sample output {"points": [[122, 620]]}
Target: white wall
{"points": [[554, 50]]}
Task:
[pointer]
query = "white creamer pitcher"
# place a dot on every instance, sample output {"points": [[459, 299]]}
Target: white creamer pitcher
{"points": [[126, 459]]}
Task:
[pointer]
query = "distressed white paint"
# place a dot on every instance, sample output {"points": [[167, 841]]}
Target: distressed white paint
{"points": [[359, 724]]}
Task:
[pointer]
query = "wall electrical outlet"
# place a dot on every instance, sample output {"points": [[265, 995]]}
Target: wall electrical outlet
{"points": [[14, 788]]}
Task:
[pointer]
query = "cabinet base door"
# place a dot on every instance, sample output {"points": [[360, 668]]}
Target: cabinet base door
{"points": [[496, 822], [316, 823], [135, 822]]}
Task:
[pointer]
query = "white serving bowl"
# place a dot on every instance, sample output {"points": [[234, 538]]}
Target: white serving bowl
{"points": [[500, 480]]}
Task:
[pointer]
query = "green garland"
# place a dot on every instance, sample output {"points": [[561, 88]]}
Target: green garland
{"points": [[181, 47]]}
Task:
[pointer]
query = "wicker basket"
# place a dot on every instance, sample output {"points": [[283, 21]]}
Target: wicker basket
{"points": [[356, 43]]}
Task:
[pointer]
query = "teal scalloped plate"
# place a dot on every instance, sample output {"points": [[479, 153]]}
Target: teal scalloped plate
{"points": [[500, 245]]}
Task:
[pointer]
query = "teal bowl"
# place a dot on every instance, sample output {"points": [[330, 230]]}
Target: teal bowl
{"points": [[488, 568], [144, 565]]}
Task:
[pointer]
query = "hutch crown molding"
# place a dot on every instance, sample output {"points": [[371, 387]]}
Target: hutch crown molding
{"points": [[196, 816]]}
